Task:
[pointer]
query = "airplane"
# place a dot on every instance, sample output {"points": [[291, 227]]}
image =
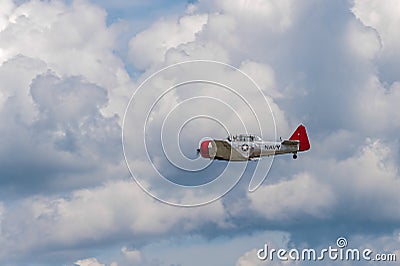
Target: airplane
{"points": [[245, 147]]}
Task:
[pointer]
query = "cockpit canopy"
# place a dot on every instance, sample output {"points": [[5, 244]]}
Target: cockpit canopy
{"points": [[244, 138]]}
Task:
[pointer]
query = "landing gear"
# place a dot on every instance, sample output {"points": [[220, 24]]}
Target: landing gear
{"points": [[294, 156]]}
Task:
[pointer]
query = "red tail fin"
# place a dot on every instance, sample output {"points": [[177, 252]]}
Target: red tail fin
{"points": [[301, 135]]}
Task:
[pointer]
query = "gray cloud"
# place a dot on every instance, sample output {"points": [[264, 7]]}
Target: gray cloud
{"points": [[53, 132]]}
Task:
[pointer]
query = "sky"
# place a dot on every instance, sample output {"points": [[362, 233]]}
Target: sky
{"points": [[69, 69]]}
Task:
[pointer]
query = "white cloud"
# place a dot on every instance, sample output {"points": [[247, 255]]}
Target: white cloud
{"points": [[376, 107], [132, 256], [48, 32], [57, 80], [197, 50], [275, 15], [263, 75], [250, 259], [363, 41], [382, 16], [301, 195], [374, 174], [6, 8], [149, 46], [88, 262], [126, 257], [365, 181], [98, 214], [219, 31], [15, 92]]}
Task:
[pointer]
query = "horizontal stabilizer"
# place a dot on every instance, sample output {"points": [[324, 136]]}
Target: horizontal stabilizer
{"points": [[290, 142]]}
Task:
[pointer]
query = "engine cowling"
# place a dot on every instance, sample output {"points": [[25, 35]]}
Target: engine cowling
{"points": [[204, 149]]}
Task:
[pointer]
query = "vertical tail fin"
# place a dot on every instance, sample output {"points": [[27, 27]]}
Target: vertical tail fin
{"points": [[300, 134]]}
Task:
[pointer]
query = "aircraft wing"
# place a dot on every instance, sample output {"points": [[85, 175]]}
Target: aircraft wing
{"points": [[225, 151]]}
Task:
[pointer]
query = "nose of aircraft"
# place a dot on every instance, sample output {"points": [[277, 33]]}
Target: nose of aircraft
{"points": [[204, 149]]}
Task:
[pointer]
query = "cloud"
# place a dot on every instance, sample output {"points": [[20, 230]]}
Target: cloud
{"points": [[53, 130], [285, 200], [374, 172], [132, 256], [377, 103], [92, 216], [65, 100], [62, 97], [126, 258], [275, 15], [363, 41], [88, 262], [149, 46], [382, 18], [7, 7], [64, 90], [48, 32], [318, 192], [250, 259]]}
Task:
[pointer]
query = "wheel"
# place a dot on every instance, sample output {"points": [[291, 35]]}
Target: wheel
{"points": [[295, 156]]}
